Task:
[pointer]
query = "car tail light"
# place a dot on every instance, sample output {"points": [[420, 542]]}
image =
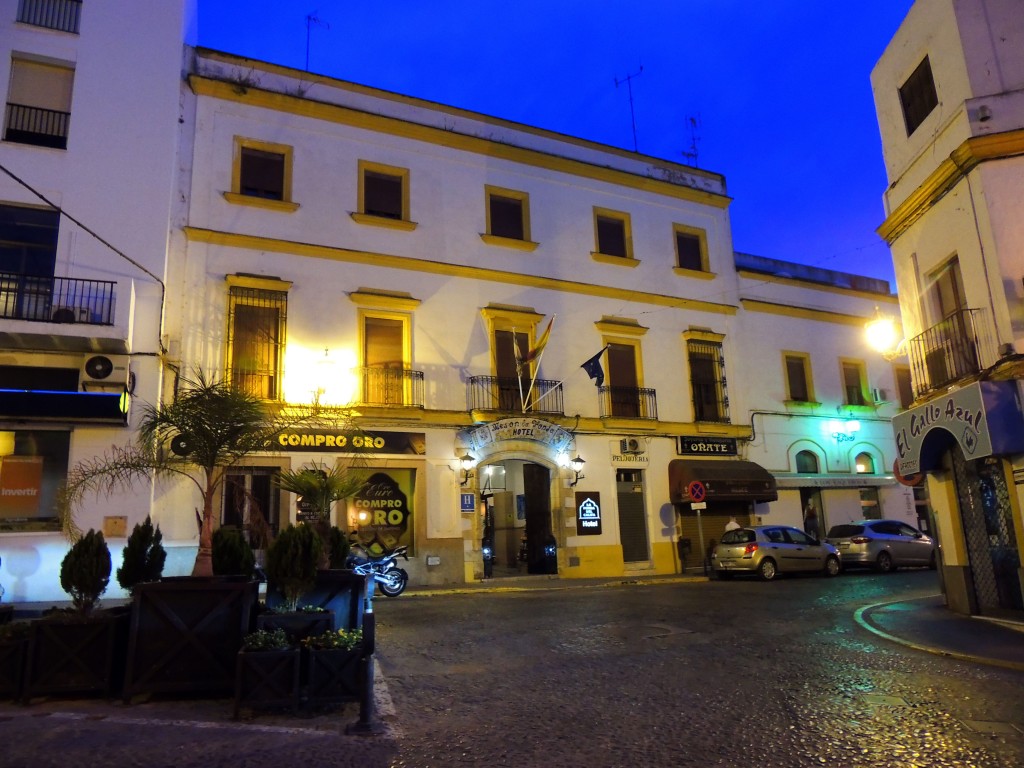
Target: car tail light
{"points": [[749, 550], [859, 540]]}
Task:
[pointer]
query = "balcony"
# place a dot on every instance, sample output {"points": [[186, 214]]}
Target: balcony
{"points": [[45, 299], [628, 403], [62, 15], [495, 393], [36, 126], [390, 387], [959, 346]]}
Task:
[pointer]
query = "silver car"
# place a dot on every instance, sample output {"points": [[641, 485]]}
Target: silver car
{"points": [[769, 550], [882, 544]]}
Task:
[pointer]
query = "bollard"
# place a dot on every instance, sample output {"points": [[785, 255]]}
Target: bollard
{"points": [[366, 725]]}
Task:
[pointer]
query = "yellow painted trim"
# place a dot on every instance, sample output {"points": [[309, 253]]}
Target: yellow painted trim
{"points": [[805, 358], [703, 334], [295, 105], [947, 175], [619, 261], [285, 150], [509, 194], [383, 221], [399, 302], [506, 317], [261, 283], [509, 242], [761, 277], [284, 206], [694, 274], [627, 231], [402, 174], [755, 305], [620, 326], [387, 261], [702, 237]]}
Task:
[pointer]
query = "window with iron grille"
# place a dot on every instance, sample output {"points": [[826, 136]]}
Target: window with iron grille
{"points": [[707, 380], [918, 97], [256, 334]]}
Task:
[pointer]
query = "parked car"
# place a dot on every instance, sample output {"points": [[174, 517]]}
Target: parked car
{"points": [[769, 550], [882, 544]]}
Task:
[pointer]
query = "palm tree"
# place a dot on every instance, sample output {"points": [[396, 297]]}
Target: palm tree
{"points": [[207, 428], [320, 486]]}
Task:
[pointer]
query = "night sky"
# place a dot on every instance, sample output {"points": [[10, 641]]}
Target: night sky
{"points": [[774, 95]]}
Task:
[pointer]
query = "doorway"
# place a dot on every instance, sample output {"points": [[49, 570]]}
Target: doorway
{"points": [[517, 517], [629, 488]]}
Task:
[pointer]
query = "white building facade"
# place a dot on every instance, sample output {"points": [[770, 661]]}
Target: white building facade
{"points": [[949, 93]]}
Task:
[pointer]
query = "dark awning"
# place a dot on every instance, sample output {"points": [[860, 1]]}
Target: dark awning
{"points": [[36, 405], [734, 480]]}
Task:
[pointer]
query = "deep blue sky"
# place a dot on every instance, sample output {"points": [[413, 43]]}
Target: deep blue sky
{"points": [[781, 90]]}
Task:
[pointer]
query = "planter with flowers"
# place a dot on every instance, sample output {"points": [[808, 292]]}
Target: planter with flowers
{"points": [[267, 672], [333, 667]]}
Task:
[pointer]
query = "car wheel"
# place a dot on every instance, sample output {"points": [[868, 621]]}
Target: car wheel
{"points": [[884, 563], [723, 575], [767, 570], [931, 561], [832, 566]]}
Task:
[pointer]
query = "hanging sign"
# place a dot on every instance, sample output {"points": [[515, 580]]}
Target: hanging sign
{"points": [[588, 514]]}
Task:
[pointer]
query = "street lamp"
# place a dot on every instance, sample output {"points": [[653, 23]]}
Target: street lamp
{"points": [[577, 466], [883, 336]]}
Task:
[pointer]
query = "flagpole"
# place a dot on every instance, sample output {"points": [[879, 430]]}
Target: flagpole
{"points": [[519, 367], [536, 369]]}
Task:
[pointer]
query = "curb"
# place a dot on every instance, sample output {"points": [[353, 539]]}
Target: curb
{"points": [[556, 586]]}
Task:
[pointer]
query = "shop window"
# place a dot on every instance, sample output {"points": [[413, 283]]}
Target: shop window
{"points": [[798, 377], [39, 103], [256, 340], [33, 465], [864, 464], [917, 96], [691, 248], [870, 509], [612, 233], [251, 503], [806, 463], [381, 511], [707, 381]]}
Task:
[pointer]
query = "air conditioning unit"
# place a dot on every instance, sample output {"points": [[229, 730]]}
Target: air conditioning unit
{"points": [[104, 373], [631, 445], [879, 396]]}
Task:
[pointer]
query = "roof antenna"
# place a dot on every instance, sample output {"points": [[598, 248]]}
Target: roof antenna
{"points": [[312, 19], [694, 125], [629, 85]]}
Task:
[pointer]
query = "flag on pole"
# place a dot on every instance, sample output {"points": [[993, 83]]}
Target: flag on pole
{"points": [[593, 367], [534, 352]]}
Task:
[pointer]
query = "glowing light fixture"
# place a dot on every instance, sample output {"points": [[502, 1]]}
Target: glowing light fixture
{"points": [[466, 462], [883, 336], [577, 467]]}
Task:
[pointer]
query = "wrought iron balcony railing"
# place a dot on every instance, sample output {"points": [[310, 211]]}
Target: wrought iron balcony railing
{"points": [[37, 126], [390, 387], [496, 393], [56, 299], [62, 15], [628, 402], [957, 347]]}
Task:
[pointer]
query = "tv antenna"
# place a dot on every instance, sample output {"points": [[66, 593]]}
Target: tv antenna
{"points": [[629, 85], [693, 123], [313, 20]]}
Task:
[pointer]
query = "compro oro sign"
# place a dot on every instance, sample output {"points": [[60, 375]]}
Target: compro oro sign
{"points": [[983, 419]]}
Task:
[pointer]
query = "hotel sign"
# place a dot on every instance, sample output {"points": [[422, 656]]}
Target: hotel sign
{"points": [[524, 428], [588, 514]]}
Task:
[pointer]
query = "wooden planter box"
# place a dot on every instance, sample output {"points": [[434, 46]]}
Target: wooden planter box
{"points": [[69, 654], [186, 633], [332, 676], [6, 614], [341, 592], [12, 667], [298, 625], [267, 680]]}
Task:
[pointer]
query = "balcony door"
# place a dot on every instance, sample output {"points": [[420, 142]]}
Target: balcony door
{"points": [[384, 360], [623, 381], [512, 387]]}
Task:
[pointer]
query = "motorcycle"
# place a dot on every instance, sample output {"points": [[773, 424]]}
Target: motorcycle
{"points": [[383, 568]]}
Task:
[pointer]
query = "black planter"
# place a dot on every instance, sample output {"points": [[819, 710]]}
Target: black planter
{"points": [[6, 614], [298, 625], [186, 633], [341, 592], [267, 680], [332, 675], [12, 667], [71, 654]]}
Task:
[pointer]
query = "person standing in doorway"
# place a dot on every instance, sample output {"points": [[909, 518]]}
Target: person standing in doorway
{"points": [[732, 525], [811, 519]]}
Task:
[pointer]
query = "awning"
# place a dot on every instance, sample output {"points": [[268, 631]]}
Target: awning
{"points": [[734, 480]]}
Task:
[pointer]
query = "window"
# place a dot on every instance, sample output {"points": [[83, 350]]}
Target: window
{"points": [[853, 382], [806, 463], [612, 233], [623, 380], [39, 103], [707, 380], [864, 464], [383, 196], [262, 175], [28, 252], [691, 248], [385, 341], [33, 464], [918, 97], [508, 218], [798, 377], [903, 385], [62, 15], [944, 295], [256, 336], [512, 384], [251, 503]]}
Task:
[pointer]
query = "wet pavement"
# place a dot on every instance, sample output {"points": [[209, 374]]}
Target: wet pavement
{"points": [[864, 670]]}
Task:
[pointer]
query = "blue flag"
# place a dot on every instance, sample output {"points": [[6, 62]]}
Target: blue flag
{"points": [[594, 369]]}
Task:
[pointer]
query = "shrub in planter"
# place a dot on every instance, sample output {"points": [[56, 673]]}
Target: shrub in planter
{"points": [[298, 624], [232, 554], [143, 558], [85, 571], [292, 561], [337, 547]]}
